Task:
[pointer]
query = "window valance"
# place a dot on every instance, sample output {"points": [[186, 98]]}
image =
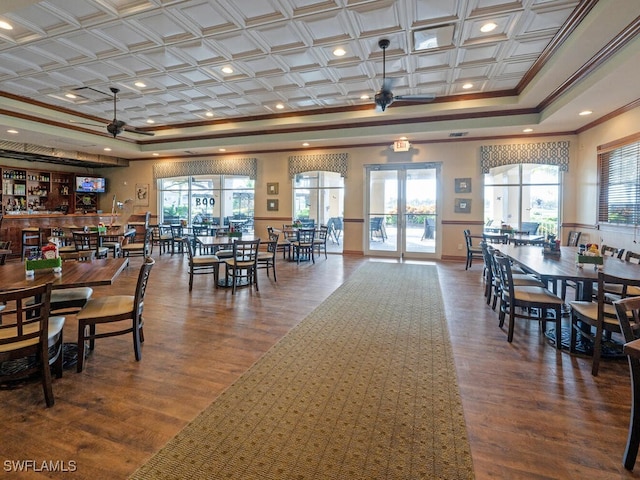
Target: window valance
{"points": [[547, 153], [329, 162], [231, 166]]}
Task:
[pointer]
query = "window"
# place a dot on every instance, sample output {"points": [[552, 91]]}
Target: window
{"points": [[518, 196], [619, 180], [318, 196], [213, 199]]}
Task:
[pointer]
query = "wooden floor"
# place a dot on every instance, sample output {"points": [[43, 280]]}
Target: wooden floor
{"points": [[532, 412]]}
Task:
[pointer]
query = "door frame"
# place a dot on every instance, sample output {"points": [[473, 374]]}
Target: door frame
{"points": [[400, 251]]}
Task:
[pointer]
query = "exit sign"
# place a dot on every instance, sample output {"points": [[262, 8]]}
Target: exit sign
{"points": [[401, 146]]}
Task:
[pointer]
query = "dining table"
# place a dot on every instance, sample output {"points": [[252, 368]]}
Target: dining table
{"points": [[215, 241], [554, 268], [564, 266], [74, 274]]}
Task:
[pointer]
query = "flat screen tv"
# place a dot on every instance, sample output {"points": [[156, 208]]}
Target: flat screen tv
{"points": [[90, 184]]}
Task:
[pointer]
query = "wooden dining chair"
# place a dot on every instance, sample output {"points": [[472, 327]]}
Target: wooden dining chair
{"points": [[4, 246], [112, 309], [628, 315], [596, 321], [502, 239], [609, 251], [489, 281], [89, 241], [302, 246], [632, 257], [201, 264], [284, 245], [267, 257], [72, 300], [28, 331], [140, 249], [518, 277], [573, 238], [526, 302], [243, 265], [320, 240], [472, 252], [614, 290]]}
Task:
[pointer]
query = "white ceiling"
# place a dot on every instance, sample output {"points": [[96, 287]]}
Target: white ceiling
{"points": [[546, 61]]}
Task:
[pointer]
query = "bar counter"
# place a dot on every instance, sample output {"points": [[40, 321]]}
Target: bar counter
{"points": [[12, 224]]}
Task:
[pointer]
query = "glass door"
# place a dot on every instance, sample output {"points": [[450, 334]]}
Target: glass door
{"points": [[402, 216]]}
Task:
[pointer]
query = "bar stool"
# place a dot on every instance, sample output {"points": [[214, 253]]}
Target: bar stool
{"points": [[31, 241]]}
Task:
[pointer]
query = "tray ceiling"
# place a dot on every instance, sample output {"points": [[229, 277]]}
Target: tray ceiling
{"points": [[285, 80]]}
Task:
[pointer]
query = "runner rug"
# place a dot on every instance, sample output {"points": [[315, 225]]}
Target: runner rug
{"points": [[363, 388]]}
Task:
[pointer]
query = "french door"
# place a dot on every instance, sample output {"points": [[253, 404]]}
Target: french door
{"points": [[402, 210]]}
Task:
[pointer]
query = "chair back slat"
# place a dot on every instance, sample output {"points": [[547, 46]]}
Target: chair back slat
{"points": [[25, 316]]}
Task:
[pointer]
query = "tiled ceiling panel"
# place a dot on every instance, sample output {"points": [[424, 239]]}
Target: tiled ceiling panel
{"points": [[278, 50]]}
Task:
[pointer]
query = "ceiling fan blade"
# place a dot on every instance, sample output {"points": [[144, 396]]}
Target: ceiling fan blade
{"points": [[139, 132], [86, 123], [427, 97]]}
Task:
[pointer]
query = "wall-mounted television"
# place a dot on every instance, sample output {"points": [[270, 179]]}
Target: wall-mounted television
{"points": [[90, 184]]}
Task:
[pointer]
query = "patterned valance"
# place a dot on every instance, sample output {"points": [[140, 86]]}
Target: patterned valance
{"points": [[231, 166], [547, 153], [327, 162]]}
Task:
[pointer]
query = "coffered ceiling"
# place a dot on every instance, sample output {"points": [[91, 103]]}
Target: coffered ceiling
{"points": [[543, 63]]}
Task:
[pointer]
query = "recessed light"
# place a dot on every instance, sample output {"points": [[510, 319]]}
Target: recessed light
{"points": [[155, 154], [403, 138], [140, 84], [467, 86], [227, 70], [5, 26], [11, 130], [585, 112], [151, 121], [279, 106], [528, 130], [70, 95], [364, 97], [107, 149], [222, 149], [488, 27], [209, 114], [339, 52], [305, 144]]}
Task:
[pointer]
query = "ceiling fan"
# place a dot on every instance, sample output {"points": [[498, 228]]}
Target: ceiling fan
{"points": [[116, 127], [384, 97]]}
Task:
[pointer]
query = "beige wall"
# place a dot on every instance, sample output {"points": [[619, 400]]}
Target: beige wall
{"points": [[458, 159]]}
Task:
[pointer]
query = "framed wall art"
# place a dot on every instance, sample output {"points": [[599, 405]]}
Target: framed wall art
{"points": [[463, 185], [142, 194], [272, 188], [272, 205], [462, 205]]}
